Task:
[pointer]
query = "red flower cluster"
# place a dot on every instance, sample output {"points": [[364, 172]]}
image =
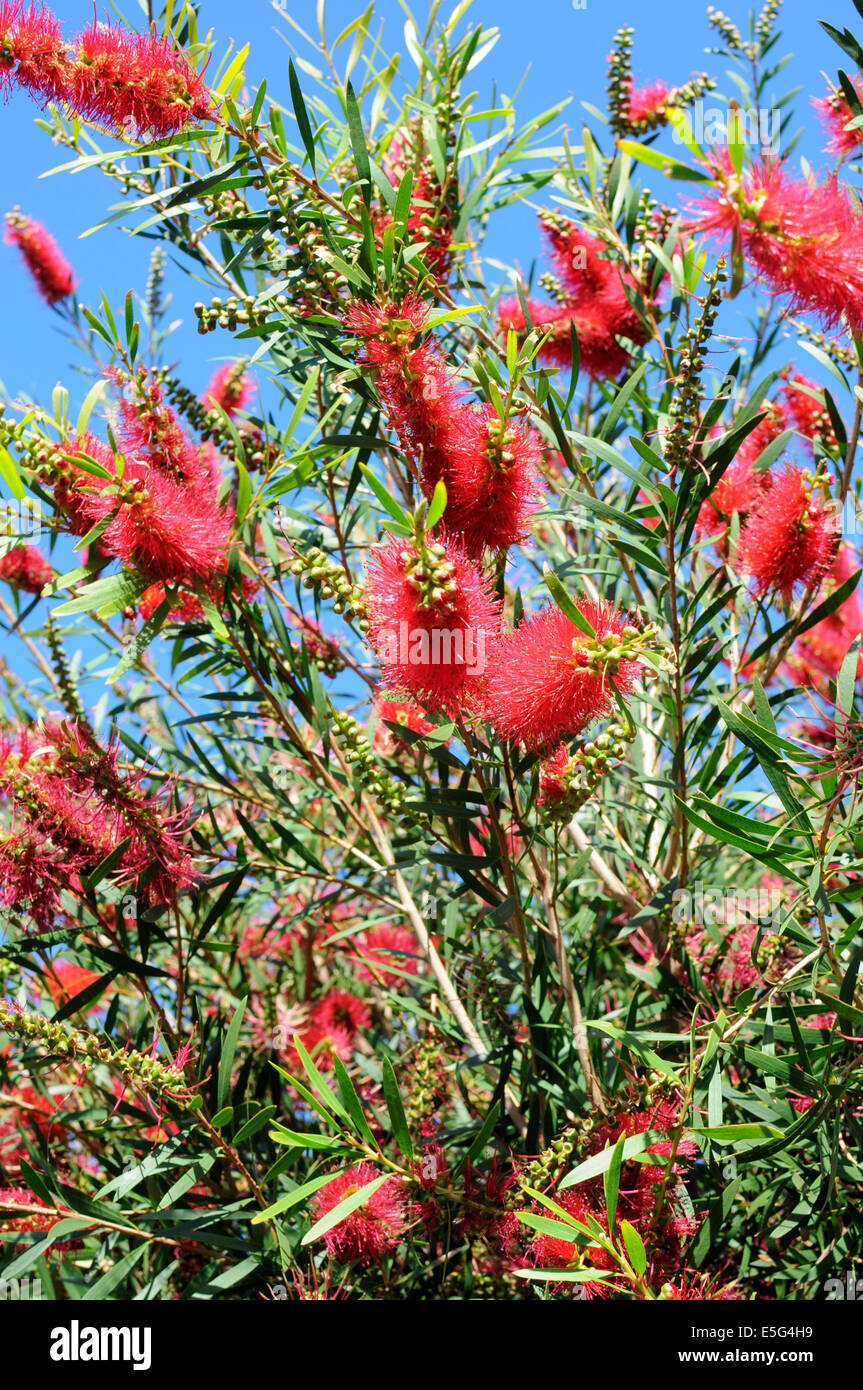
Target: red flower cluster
{"points": [[429, 218], [789, 539], [73, 803], [230, 387], [489, 465], [817, 655], [804, 238], [432, 621], [740, 489], [408, 716], [547, 680], [372, 1229], [167, 521], [836, 113], [25, 568], [648, 105], [388, 954], [664, 1229], [136, 85], [52, 273], [592, 298], [64, 979]]}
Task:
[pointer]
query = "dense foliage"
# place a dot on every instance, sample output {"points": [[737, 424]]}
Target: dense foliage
{"points": [[428, 757]]}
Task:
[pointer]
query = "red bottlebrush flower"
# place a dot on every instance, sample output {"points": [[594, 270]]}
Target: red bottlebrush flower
{"points": [[32, 51], [764, 433], [64, 979], [389, 329], [76, 491], [836, 115], [168, 531], [490, 467], [541, 686], [408, 716], [740, 489], [822, 649], [421, 398], [493, 483], [429, 218], [76, 804], [550, 318], [591, 295], [187, 609], [322, 1045], [135, 84], [230, 387], [17, 1218], [151, 433], [648, 105], [805, 239], [26, 569], [388, 954], [564, 784], [804, 402], [31, 879], [52, 273], [28, 1109], [553, 1252], [432, 618], [371, 1230], [341, 1009], [790, 539]]}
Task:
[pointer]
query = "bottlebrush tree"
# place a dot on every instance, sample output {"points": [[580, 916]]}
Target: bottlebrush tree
{"points": [[429, 760]]}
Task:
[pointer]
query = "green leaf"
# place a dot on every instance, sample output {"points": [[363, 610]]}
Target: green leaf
{"points": [[301, 114], [565, 603], [292, 1199], [10, 475], [599, 1163], [387, 502], [436, 505], [398, 1120], [634, 1248], [226, 1060], [358, 144], [611, 1182], [731, 1134]]}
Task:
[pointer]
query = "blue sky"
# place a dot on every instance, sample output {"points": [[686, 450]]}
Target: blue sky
{"points": [[562, 49]]}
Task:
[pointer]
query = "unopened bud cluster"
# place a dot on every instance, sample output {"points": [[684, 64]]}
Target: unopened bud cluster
{"points": [[684, 409], [232, 313], [604, 655], [60, 1040], [619, 80], [315, 570], [357, 753], [430, 574]]}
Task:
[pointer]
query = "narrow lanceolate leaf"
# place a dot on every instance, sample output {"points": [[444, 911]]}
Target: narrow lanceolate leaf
{"points": [[399, 1123], [634, 1248], [565, 603], [301, 114], [228, 1051]]}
